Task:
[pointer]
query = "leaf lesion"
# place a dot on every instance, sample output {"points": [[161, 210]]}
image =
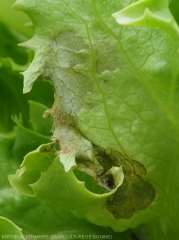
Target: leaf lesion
{"points": [[135, 193], [132, 194]]}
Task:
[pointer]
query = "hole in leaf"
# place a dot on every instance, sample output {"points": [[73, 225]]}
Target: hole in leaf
{"points": [[90, 184]]}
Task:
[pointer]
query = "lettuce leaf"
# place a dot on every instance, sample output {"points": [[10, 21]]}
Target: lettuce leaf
{"points": [[148, 13], [116, 91], [27, 212], [9, 229]]}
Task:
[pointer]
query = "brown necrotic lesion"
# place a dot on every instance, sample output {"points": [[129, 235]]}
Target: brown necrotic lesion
{"points": [[135, 193]]}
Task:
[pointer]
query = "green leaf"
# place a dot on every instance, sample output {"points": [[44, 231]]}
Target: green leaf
{"points": [[116, 88], [9, 229], [59, 221], [174, 5], [10, 53], [40, 125], [31, 168], [11, 99], [41, 174], [18, 22], [12, 60], [12, 205], [27, 140], [13, 103], [56, 221], [148, 13], [7, 163], [14, 145]]}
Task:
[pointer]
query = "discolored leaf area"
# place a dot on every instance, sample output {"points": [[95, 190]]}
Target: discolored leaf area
{"points": [[134, 194]]}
